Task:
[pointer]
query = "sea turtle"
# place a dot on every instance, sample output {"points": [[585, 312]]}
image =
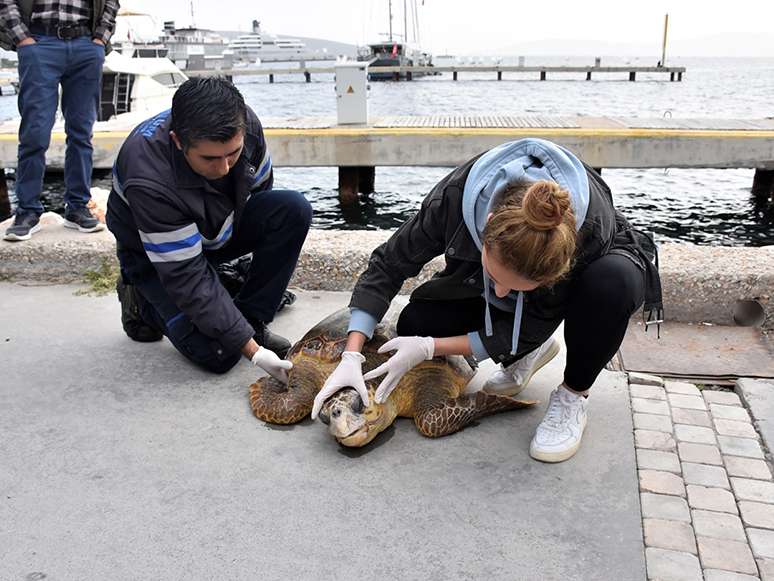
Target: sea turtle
{"points": [[429, 393]]}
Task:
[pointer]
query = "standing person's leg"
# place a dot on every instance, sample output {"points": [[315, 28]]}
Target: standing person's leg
{"points": [[273, 227], [80, 102], [41, 65], [602, 300]]}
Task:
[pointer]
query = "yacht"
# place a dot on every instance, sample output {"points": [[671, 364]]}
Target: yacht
{"points": [[134, 89], [258, 47], [195, 48]]}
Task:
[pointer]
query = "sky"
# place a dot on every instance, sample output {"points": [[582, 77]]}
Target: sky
{"points": [[465, 27]]}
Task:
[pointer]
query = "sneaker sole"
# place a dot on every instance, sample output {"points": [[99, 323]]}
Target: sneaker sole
{"points": [[553, 457], [99, 227], [552, 352], [17, 238]]}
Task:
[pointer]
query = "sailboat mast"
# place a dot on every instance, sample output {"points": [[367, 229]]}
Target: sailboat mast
{"points": [[193, 22], [405, 23], [390, 5]]}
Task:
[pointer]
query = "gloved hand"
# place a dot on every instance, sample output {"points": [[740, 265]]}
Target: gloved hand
{"points": [[349, 373], [409, 352], [272, 364]]}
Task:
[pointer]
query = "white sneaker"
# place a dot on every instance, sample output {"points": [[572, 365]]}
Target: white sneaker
{"points": [[558, 436], [514, 378]]}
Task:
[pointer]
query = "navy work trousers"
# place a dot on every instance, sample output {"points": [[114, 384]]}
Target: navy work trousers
{"points": [[602, 299], [273, 227], [76, 65]]}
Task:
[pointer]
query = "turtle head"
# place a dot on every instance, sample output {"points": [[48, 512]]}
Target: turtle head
{"points": [[351, 421]]}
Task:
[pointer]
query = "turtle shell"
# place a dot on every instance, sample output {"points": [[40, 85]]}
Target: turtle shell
{"points": [[327, 340]]}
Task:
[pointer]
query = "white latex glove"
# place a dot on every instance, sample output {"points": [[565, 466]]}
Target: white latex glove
{"points": [[348, 373], [409, 352], [272, 364]]}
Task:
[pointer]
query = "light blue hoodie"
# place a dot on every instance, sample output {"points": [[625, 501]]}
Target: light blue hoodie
{"points": [[533, 160]]}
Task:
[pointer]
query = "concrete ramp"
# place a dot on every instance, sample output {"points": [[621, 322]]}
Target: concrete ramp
{"points": [[122, 461]]}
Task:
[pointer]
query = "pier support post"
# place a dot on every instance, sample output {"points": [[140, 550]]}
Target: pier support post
{"points": [[499, 75], [632, 75], [679, 77], [455, 75], [763, 187], [353, 180], [5, 203], [409, 76], [271, 77], [588, 75], [308, 76], [542, 75], [366, 176], [396, 76]]}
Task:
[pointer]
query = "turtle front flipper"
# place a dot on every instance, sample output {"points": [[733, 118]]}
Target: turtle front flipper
{"points": [[274, 402], [449, 415]]}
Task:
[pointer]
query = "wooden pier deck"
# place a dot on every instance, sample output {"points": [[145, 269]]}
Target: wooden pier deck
{"points": [[408, 73], [611, 142], [443, 141]]}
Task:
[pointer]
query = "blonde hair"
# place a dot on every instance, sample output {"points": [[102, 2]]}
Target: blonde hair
{"points": [[532, 232]]}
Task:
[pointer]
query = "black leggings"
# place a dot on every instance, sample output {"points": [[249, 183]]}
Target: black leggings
{"points": [[600, 303]]}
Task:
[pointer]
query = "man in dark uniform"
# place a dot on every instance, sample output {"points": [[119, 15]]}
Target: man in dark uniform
{"points": [[192, 188]]}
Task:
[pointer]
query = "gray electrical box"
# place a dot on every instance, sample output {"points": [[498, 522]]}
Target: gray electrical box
{"points": [[352, 92]]}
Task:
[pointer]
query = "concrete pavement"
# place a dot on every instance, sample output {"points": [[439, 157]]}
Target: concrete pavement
{"points": [[120, 460]]}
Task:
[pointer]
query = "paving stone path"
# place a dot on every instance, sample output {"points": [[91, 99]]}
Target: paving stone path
{"points": [[706, 489]]}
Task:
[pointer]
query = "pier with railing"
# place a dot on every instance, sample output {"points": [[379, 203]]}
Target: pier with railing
{"points": [[541, 72]]}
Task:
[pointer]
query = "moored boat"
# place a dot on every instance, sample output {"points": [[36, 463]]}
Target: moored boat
{"points": [[259, 46], [395, 51]]}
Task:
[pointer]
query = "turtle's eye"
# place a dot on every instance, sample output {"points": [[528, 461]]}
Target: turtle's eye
{"points": [[356, 405], [324, 416]]}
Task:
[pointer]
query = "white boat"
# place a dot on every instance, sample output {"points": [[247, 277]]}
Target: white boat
{"points": [[134, 89], [257, 47], [396, 51], [195, 48]]}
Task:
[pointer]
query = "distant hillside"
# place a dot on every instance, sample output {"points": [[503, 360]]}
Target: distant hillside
{"points": [[313, 44], [721, 45]]}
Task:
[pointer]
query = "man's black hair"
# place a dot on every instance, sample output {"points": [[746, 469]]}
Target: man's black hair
{"points": [[209, 108]]}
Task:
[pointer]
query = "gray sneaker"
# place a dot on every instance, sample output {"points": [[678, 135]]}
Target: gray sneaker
{"points": [[23, 227], [513, 379], [83, 220]]}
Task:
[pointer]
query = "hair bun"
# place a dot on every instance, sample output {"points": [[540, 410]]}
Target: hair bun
{"points": [[545, 205]]}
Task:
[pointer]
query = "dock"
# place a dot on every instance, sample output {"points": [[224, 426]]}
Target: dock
{"points": [[447, 141], [409, 73]]}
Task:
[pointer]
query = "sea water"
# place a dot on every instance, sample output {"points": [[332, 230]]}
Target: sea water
{"points": [[695, 206]]}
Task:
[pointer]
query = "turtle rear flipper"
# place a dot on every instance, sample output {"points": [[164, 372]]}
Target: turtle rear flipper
{"points": [[273, 402], [454, 413]]}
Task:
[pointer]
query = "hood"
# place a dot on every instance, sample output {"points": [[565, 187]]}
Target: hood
{"points": [[533, 160]]}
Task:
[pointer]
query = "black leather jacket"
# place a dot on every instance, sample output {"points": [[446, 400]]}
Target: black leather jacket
{"points": [[439, 228]]}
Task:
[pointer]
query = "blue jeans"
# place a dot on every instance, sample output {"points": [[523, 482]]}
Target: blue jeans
{"points": [[77, 65], [273, 227]]}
